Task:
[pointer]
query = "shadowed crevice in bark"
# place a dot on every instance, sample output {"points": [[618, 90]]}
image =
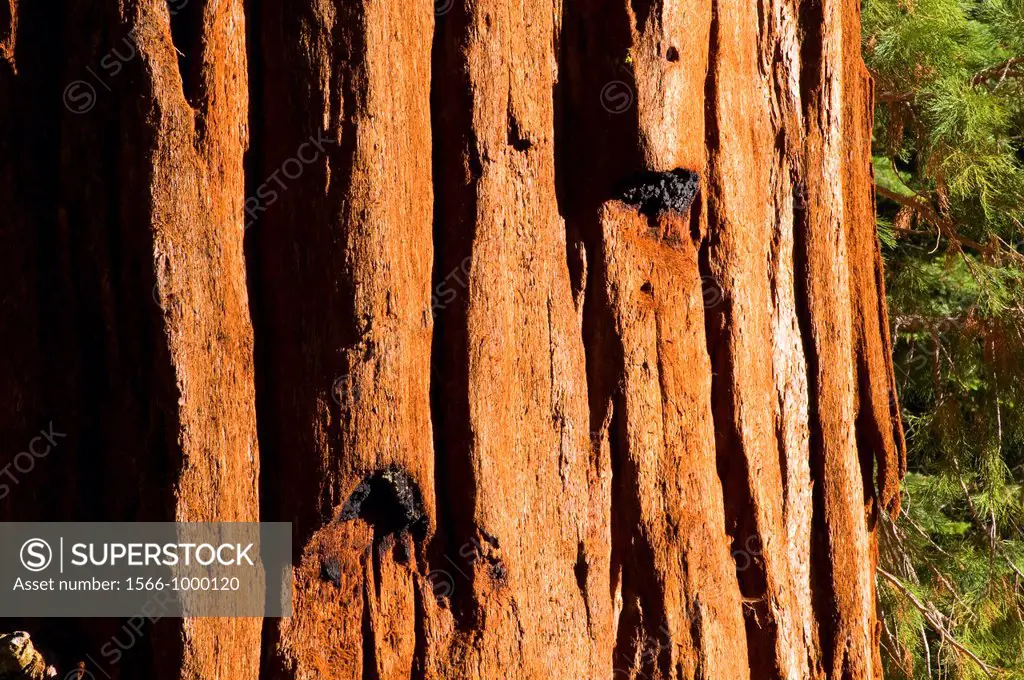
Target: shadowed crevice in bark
{"points": [[369, 648], [346, 101], [517, 138], [811, 22], [253, 164], [187, 36], [419, 664], [39, 372], [597, 145], [580, 570], [456, 171], [268, 433], [291, 293], [642, 10]]}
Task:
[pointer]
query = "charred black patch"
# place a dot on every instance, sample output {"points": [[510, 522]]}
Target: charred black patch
{"points": [[330, 570], [655, 193], [498, 571], [390, 501]]}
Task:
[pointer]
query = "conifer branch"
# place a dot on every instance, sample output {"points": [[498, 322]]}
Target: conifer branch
{"points": [[936, 623], [943, 224], [1011, 68]]}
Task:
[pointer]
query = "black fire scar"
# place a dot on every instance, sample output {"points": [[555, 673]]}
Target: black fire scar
{"points": [[655, 193]]}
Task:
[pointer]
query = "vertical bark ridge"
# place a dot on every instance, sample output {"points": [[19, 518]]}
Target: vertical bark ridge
{"points": [[781, 52], [879, 421], [526, 401], [205, 264], [844, 586], [343, 243], [688, 612], [740, 233], [197, 257]]}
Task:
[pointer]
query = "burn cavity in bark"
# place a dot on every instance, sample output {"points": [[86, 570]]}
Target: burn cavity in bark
{"points": [[390, 501], [655, 193], [330, 570]]}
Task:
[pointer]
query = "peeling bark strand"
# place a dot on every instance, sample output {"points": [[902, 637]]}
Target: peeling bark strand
{"points": [[361, 266]]}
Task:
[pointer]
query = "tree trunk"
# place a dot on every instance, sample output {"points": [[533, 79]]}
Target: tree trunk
{"points": [[524, 426]]}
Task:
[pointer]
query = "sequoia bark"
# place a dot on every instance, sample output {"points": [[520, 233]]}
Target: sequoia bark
{"points": [[522, 428]]}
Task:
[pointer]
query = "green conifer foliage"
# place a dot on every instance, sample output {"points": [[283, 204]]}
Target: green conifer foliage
{"points": [[949, 172]]}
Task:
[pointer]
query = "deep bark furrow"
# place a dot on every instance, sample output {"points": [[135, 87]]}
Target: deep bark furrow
{"points": [[456, 171], [879, 420]]}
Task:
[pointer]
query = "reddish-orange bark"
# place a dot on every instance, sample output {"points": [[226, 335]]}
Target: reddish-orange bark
{"points": [[290, 254]]}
